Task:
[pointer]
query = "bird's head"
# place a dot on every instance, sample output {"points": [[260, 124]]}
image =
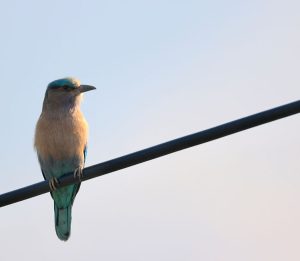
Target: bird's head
{"points": [[65, 92]]}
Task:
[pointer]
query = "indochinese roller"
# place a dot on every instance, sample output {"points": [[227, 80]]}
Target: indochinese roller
{"points": [[61, 144]]}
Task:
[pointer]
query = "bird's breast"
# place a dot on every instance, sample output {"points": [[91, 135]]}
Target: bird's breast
{"points": [[61, 136]]}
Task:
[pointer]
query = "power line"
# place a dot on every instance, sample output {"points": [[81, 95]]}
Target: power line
{"points": [[156, 151]]}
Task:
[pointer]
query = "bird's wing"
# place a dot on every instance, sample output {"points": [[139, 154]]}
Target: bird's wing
{"points": [[43, 174], [85, 153], [77, 187]]}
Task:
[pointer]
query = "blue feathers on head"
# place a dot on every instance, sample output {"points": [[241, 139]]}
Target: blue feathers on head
{"points": [[65, 82]]}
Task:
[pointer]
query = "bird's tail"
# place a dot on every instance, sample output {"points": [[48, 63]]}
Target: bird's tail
{"points": [[63, 218]]}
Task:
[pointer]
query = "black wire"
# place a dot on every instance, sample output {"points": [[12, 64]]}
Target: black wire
{"points": [[156, 151]]}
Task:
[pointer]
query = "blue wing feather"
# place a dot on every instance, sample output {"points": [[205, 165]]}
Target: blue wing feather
{"points": [[85, 152]]}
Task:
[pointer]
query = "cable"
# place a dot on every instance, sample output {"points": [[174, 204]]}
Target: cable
{"points": [[156, 151]]}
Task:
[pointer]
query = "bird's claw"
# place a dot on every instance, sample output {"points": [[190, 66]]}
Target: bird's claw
{"points": [[78, 173], [53, 183]]}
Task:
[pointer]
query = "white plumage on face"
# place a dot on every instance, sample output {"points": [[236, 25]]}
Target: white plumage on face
{"points": [[63, 93]]}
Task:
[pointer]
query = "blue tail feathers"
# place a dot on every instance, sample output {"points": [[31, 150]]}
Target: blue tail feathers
{"points": [[63, 218]]}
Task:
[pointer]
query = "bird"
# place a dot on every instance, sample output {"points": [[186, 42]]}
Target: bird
{"points": [[60, 141]]}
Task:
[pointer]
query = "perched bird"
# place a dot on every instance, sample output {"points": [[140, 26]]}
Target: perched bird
{"points": [[61, 144]]}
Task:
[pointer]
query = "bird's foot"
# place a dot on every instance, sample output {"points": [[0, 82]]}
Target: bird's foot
{"points": [[78, 173], [53, 183]]}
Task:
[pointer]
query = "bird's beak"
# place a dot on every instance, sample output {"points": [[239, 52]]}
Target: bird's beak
{"points": [[86, 88]]}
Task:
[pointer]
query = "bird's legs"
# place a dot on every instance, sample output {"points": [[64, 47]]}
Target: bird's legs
{"points": [[53, 183], [78, 173]]}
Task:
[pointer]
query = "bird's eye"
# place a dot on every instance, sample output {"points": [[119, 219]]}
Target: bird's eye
{"points": [[66, 88]]}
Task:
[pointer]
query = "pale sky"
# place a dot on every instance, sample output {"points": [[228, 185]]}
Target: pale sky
{"points": [[163, 69]]}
